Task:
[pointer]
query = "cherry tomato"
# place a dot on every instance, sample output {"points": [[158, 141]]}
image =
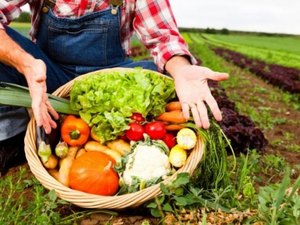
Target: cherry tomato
{"points": [[135, 132], [155, 130], [137, 117], [170, 140]]}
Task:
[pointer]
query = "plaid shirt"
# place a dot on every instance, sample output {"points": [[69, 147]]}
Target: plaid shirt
{"points": [[152, 20]]}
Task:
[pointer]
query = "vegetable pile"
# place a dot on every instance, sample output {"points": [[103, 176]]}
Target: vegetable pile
{"points": [[129, 133]]}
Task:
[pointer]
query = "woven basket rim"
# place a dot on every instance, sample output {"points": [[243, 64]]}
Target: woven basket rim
{"points": [[87, 200]]}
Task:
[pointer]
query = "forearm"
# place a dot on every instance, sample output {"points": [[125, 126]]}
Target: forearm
{"points": [[12, 54]]}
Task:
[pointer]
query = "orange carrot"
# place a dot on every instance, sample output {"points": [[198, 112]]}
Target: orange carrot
{"points": [[171, 106], [175, 116], [174, 127]]}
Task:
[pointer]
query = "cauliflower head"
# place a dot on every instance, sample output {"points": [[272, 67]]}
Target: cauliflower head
{"points": [[145, 163]]}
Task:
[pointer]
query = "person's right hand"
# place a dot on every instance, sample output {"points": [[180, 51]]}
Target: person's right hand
{"points": [[34, 71], [43, 112]]}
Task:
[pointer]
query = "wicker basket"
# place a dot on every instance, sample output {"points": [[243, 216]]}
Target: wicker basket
{"points": [[87, 200]]}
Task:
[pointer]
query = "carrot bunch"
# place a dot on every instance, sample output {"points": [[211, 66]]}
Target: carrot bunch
{"points": [[173, 117]]}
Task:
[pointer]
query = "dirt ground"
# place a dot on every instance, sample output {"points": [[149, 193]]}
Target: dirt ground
{"points": [[278, 109]]}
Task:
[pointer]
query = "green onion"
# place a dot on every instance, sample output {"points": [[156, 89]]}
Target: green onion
{"points": [[16, 95]]}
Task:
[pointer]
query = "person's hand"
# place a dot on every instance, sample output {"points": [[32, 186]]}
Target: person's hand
{"points": [[43, 112], [34, 71], [193, 91]]}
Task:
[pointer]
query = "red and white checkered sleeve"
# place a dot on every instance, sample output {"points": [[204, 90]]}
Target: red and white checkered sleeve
{"points": [[156, 27], [10, 10]]}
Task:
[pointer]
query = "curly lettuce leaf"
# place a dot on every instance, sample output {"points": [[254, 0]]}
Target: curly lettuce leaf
{"points": [[107, 100]]}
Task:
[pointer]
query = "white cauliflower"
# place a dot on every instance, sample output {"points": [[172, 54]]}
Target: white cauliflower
{"points": [[145, 163]]}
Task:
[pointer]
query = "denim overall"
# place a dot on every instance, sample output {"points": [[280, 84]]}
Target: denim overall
{"points": [[69, 47], [85, 44]]}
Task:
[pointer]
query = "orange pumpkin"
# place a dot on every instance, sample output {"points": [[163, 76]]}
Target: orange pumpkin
{"points": [[93, 173]]}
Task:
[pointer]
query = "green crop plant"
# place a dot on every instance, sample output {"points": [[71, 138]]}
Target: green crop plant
{"points": [[290, 57], [280, 203], [293, 147], [272, 164]]}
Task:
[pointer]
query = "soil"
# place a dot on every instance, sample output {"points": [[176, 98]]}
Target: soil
{"points": [[246, 94], [278, 109]]}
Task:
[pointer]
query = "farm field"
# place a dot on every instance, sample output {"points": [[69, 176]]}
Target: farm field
{"points": [[277, 50], [262, 122], [278, 43], [23, 28]]}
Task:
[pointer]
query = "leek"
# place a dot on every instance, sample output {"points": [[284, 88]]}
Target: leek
{"points": [[16, 95]]}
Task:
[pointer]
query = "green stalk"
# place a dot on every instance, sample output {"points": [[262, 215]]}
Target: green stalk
{"points": [[16, 95], [214, 163]]}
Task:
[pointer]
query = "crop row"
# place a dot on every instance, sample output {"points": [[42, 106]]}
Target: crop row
{"points": [[261, 49], [283, 77], [240, 129]]}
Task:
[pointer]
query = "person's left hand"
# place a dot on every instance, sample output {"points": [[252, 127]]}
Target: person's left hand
{"points": [[194, 94]]}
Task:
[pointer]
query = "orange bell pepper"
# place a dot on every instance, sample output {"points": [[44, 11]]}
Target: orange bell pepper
{"points": [[74, 131]]}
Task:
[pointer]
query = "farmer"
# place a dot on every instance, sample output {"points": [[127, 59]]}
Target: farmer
{"points": [[70, 38]]}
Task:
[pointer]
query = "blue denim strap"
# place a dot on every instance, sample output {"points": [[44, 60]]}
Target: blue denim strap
{"points": [[81, 45]]}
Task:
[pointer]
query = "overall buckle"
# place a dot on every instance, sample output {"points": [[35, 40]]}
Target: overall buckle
{"points": [[48, 4], [115, 4]]}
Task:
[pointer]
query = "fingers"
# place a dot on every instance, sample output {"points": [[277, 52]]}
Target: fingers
{"points": [[43, 119], [200, 115], [213, 105], [49, 123], [185, 110], [216, 76], [196, 116], [203, 114], [52, 111], [199, 111], [43, 112]]}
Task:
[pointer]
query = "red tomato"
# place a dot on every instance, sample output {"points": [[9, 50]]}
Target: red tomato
{"points": [[156, 130], [135, 132], [170, 140], [137, 117]]}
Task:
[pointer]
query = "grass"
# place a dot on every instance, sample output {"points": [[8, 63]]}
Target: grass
{"points": [[288, 58], [286, 141], [279, 203], [25, 201], [23, 28], [282, 44], [261, 115], [15, 196]]}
